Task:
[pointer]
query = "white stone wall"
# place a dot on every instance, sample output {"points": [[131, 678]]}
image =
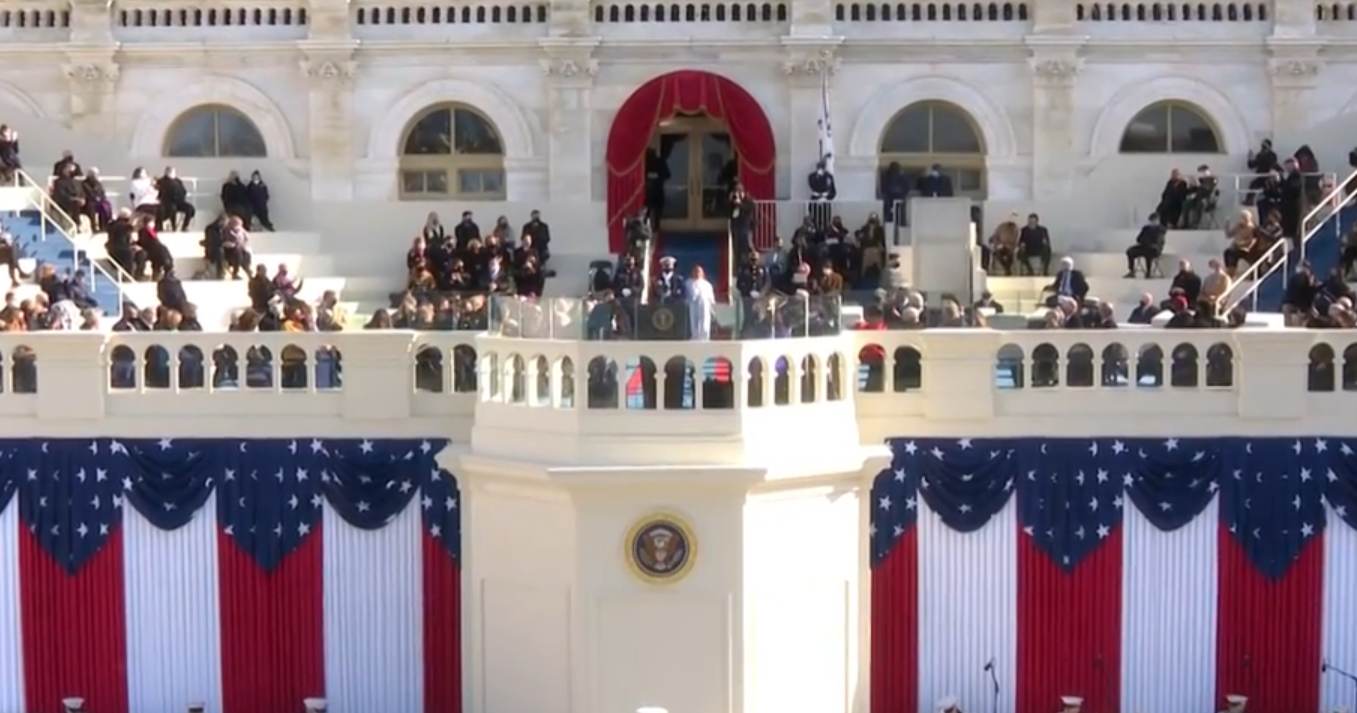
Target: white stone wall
{"points": [[1051, 91]]}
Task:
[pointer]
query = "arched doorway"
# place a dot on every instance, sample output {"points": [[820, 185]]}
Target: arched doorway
{"points": [[929, 133], [698, 130]]}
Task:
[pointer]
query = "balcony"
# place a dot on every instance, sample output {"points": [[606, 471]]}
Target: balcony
{"points": [[696, 403]]}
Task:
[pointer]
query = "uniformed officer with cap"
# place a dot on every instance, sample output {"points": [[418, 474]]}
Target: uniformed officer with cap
{"points": [[949, 704], [315, 705], [1071, 704], [197, 707], [73, 704], [1235, 703]]}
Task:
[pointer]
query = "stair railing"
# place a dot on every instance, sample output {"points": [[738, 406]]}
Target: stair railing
{"points": [[52, 213], [1248, 282], [732, 261]]}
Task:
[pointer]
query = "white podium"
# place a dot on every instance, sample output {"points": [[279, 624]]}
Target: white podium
{"points": [[726, 574]]}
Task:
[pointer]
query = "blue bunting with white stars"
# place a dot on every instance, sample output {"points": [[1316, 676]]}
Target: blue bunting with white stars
{"points": [[1071, 492], [270, 493]]}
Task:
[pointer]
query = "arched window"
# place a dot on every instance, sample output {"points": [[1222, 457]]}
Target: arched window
{"points": [[934, 132], [214, 131], [1171, 127], [451, 151]]}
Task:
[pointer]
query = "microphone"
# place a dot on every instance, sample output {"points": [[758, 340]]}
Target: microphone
{"points": [[990, 666]]}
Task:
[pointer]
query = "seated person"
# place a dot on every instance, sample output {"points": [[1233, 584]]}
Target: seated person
{"points": [[1034, 242], [1069, 283], [1202, 196], [1173, 200], [1004, 244], [1246, 245], [1149, 246]]}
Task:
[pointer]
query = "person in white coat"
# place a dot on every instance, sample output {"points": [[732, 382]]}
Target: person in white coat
{"points": [[701, 305], [143, 194]]}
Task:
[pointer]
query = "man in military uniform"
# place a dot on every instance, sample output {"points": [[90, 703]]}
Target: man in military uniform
{"points": [[949, 704], [1235, 703]]}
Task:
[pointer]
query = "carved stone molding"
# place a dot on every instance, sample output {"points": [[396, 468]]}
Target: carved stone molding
{"points": [[1056, 70], [567, 68], [92, 74], [814, 65], [1293, 69], [329, 72]]}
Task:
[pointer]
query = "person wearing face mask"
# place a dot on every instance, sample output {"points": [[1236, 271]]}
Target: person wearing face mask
{"points": [[668, 286], [822, 194], [742, 222], [257, 193], [934, 184]]}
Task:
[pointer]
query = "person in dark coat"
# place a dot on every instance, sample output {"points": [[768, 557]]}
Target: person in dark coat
{"points": [[235, 199], [257, 193]]}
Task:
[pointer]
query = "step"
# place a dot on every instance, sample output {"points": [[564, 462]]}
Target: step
{"points": [[1117, 240], [189, 244], [218, 300], [1113, 264]]}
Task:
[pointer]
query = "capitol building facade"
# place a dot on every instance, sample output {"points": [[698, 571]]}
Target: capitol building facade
{"points": [[1077, 110]]}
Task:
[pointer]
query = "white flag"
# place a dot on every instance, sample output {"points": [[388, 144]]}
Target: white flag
{"points": [[826, 128]]}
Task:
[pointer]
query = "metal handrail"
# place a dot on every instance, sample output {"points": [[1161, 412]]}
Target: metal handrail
{"points": [[731, 260], [1253, 277], [48, 208]]}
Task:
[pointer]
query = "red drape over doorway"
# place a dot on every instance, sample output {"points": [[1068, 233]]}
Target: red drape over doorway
{"points": [[683, 92]]}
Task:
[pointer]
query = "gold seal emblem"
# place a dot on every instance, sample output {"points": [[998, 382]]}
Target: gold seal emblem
{"points": [[662, 319], [660, 548]]}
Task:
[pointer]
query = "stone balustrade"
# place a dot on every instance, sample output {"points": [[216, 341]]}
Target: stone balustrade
{"points": [[707, 390]]}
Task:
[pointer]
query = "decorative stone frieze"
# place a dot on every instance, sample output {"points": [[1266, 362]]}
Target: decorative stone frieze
{"points": [[1293, 70], [329, 72], [569, 68], [1056, 71], [92, 74], [812, 65]]}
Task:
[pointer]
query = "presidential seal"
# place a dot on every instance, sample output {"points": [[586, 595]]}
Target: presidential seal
{"points": [[660, 548], [662, 319]]}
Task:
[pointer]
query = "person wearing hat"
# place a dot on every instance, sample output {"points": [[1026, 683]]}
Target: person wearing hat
{"points": [[73, 704], [949, 704], [668, 286], [197, 707], [1235, 703], [315, 705], [1071, 704]]}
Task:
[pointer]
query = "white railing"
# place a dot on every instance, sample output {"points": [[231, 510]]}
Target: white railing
{"points": [[1251, 280], [647, 269], [58, 218], [368, 373], [201, 191]]}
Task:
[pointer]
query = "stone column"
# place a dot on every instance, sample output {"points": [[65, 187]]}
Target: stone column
{"points": [[806, 67], [568, 79], [1053, 130], [570, 18], [329, 79], [1294, 77], [92, 80]]}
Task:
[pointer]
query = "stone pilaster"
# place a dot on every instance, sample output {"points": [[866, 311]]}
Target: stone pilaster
{"points": [[811, 19], [806, 67], [328, 20], [1053, 17], [1054, 156], [1294, 73], [91, 22], [1293, 19], [570, 18], [329, 79], [92, 82], [568, 70]]}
